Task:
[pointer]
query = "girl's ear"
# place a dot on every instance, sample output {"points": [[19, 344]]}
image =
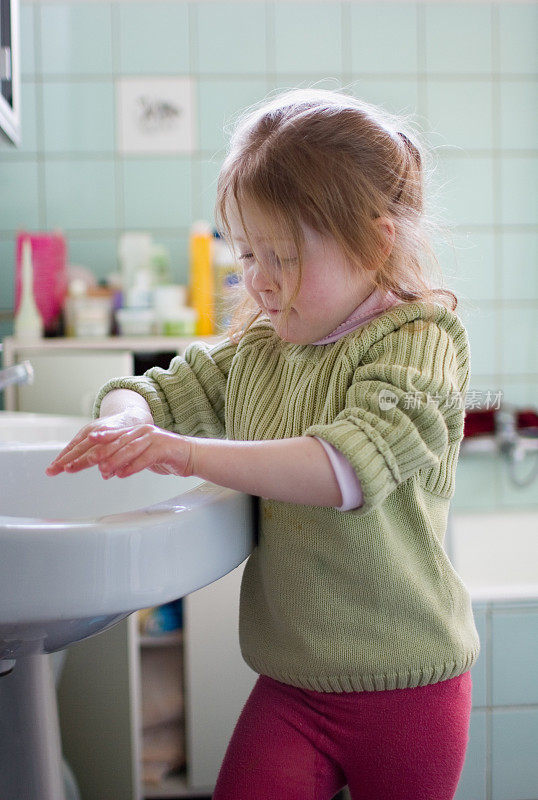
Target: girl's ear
{"points": [[387, 233]]}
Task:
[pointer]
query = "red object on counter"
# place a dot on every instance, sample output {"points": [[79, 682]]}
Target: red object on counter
{"points": [[479, 422], [49, 259]]}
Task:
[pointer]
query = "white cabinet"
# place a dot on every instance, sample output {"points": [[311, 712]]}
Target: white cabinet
{"points": [[100, 690]]}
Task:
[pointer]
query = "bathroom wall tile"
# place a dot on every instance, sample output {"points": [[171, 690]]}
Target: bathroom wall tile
{"points": [[99, 254], [76, 38], [480, 667], [519, 348], [78, 116], [522, 393], [468, 264], [472, 126], [28, 42], [153, 38], [476, 483], [514, 765], [308, 37], [514, 658], [518, 114], [519, 182], [518, 23], [230, 38], [157, 192], [220, 100], [481, 326], [178, 249], [455, 47], [384, 37], [29, 141], [19, 195], [397, 95], [512, 495], [80, 194], [205, 188], [7, 272], [465, 189], [472, 785], [519, 276]]}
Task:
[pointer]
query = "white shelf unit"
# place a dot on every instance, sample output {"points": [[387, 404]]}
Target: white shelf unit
{"points": [[99, 695]]}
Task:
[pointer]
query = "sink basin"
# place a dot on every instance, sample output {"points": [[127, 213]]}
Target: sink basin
{"points": [[26, 428], [80, 553]]}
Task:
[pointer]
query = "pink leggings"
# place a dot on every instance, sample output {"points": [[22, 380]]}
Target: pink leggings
{"points": [[296, 744]]}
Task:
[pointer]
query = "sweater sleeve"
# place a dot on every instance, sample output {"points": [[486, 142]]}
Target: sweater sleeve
{"points": [[403, 408], [189, 396]]}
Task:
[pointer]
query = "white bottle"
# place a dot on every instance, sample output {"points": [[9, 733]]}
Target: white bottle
{"points": [[28, 321]]}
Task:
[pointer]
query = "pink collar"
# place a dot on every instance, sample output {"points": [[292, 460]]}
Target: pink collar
{"points": [[372, 306]]}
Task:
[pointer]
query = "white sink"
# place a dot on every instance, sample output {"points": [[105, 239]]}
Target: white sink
{"points": [[79, 552], [26, 428]]}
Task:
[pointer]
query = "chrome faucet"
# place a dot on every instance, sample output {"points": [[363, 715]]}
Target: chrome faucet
{"points": [[513, 445], [16, 375]]}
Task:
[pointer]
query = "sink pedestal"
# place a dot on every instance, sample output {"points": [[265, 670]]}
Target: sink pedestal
{"points": [[30, 750]]}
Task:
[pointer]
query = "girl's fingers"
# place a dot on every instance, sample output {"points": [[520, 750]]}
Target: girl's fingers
{"points": [[99, 453], [132, 458]]}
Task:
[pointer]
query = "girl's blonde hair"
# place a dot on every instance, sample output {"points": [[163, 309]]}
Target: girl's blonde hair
{"points": [[334, 163]]}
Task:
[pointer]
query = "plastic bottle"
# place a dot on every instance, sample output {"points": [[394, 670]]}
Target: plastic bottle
{"points": [[28, 320], [201, 280], [227, 278]]}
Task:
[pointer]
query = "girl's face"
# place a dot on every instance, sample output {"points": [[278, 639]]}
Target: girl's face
{"points": [[330, 289]]}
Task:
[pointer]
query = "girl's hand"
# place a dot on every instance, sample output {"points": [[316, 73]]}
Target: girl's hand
{"points": [[81, 444], [126, 451]]}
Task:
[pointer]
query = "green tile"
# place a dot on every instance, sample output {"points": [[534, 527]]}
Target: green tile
{"points": [[78, 116], [476, 484], [76, 38], [479, 674], [514, 655], [472, 125], [27, 33], [473, 781], [518, 26], [384, 37], [464, 189], [519, 276], [231, 38], [220, 101], [29, 141], [481, 324], [308, 38], [205, 188], [153, 38], [157, 192], [458, 38], [397, 95], [7, 272], [469, 266], [96, 254], [519, 114], [178, 249], [519, 344], [19, 195], [521, 393], [80, 194], [519, 180], [514, 767]]}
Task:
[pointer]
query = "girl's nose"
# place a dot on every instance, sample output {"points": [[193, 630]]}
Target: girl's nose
{"points": [[260, 280]]}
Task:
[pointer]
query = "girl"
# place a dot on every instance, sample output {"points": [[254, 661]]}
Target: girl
{"points": [[339, 403]]}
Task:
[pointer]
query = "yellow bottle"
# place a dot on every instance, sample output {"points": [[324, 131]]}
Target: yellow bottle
{"points": [[201, 280]]}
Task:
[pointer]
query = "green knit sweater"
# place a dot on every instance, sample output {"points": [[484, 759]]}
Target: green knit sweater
{"points": [[357, 600]]}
